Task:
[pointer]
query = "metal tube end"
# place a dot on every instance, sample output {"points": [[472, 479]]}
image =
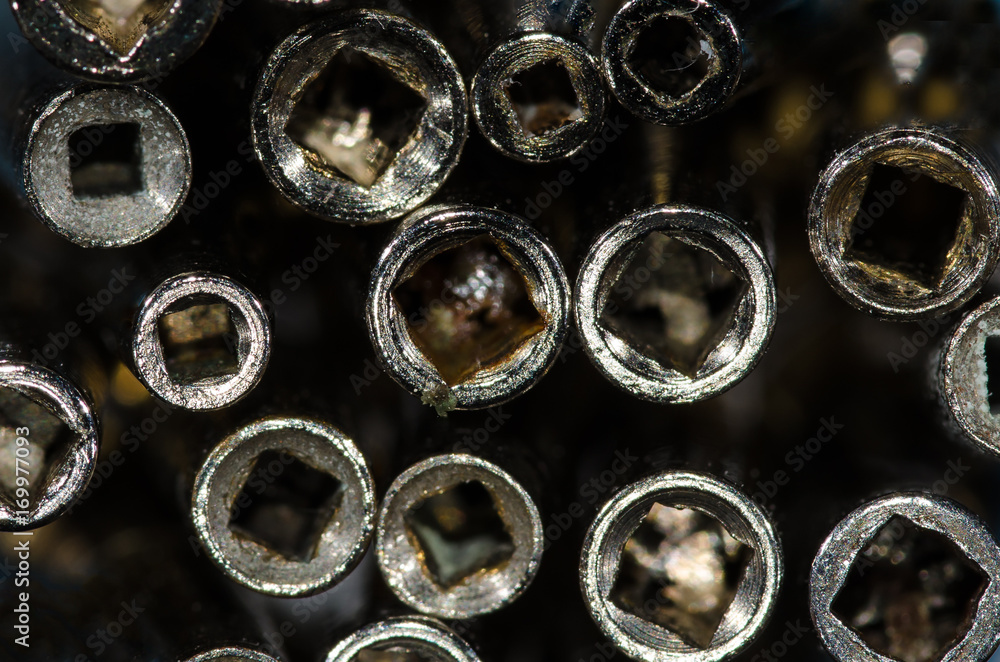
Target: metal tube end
{"points": [[285, 506], [966, 374], [359, 117], [538, 97], [905, 224], [232, 654], [908, 576], [115, 41], [201, 341], [452, 569], [703, 275], [412, 636], [106, 166], [672, 61], [487, 331], [647, 539], [48, 445]]}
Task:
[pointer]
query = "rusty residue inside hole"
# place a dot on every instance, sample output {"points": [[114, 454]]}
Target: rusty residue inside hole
{"points": [[674, 302], [680, 570], [119, 23], [468, 308], [912, 594], [543, 97], [460, 533]]}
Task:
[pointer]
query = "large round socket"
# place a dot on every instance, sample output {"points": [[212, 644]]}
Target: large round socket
{"points": [[310, 524], [48, 444], [465, 567], [905, 224], [675, 303], [467, 306], [359, 117], [703, 549], [106, 166], [415, 638]]}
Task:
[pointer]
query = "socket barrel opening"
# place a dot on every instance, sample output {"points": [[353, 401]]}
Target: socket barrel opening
{"points": [[393, 653], [200, 336], [468, 308], [680, 570], [121, 24], [285, 505], [33, 443], [670, 55], [543, 98], [912, 594], [674, 302], [355, 116], [460, 533], [106, 160]]}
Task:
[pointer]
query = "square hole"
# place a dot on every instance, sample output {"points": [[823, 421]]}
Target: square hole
{"points": [[912, 594], [355, 116], [907, 222], [460, 533], [48, 436], [106, 160], [680, 570], [674, 302], [670, 56], [199, 340], [285, 505], [119, 24], [991, 352], [543, 98]]}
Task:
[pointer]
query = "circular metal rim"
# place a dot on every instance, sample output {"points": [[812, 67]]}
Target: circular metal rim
{"points": [[333, 573], [707, 97], [154, 105], [427, 232], [50, 29], [412, 170], [823, 235], [63, 399], [836, 556], [712, 231], [410, 629], [412, 586], [509, 58], [950, 368], [147, 352], [239, 652], [597, 563]]}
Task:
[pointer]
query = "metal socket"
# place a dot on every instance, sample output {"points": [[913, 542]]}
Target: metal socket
{"points": [[503, 124], [248, 341], [49, 445], [407, 549], [422, 637], [343, 525], [877, 281], [116, 42], [835, 561], [415, 62], [618, 520], [431, 231], [736, 350], [66, 175], [232, 654], [715, 37]]}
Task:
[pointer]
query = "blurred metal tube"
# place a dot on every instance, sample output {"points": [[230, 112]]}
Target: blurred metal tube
{"points": [[416, 554], [116, 42], [432, 231], [351, 156], [845, 208], [416, 636], [605, 546], [842, 549]]}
